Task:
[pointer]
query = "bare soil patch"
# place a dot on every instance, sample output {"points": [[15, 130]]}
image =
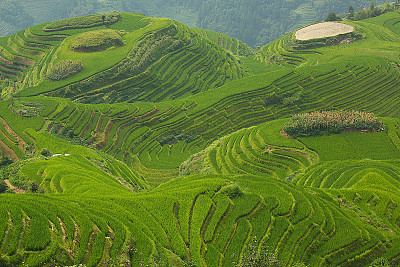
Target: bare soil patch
{"points": [[323, 29], [16, 189]]}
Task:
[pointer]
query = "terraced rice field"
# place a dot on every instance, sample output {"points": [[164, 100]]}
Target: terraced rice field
{"points": [[146, 74], [179, 159]]}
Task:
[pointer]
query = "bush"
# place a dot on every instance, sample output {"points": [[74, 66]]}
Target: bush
{"points": [[331, 122], [4, 162], [9, 191], [65, 69], [32, 187], [333, 17], [4, 260], [45, 152], [26, 109], [83, 22], [232, 190], [3, 187], [380, 262], [97, 41], [173, 139]]}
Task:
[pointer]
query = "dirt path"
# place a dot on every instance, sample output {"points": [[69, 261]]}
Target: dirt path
{"points": [[323, 29], [16, 189], [121, 181]]}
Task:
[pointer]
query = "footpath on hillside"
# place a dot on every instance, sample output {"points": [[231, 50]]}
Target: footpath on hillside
{"points": [[16, 189]]}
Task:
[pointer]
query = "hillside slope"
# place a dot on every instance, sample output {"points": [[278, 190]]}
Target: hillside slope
{"points": [[160, 59], [265, 21], [196, 175]]}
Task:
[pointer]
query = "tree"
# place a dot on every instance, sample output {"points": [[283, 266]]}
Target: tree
{"points": [[3, 186], [45, 152], [332, 17], [387, 6], [372, 6], [350, 13]]}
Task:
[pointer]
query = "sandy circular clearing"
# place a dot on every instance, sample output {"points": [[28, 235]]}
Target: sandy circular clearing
{"points": [[323, 29]]}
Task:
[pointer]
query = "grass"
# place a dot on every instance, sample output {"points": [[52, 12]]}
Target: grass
{"points": [[95, 62], [129, 189], [97, 41], [109, 62], [376, 146]]}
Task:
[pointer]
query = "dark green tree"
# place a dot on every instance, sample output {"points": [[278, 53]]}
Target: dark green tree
{"points": [[350, 13], [333, 17], [372, 6], [45, 152], [3, 186]]}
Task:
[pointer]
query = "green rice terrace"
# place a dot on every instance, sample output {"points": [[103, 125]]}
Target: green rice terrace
{"points": [[128, 140]]}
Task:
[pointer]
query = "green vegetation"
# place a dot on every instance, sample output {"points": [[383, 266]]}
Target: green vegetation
{"points": [[169, 150], [97, 41], [256, 23], [352, 146], [372, 11], [64, 69], [83, 22], [333, 17], [315, 123]]}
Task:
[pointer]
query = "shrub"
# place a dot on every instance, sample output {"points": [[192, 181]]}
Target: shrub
{"points": [[333, 17], [65, 69], [26, 109], [4, 162], [3, 187], [32, 187], [232, 190], [4, 260], [331, 122], [173, 139], [45, 152], [380, 262], [9, 191], [83, 22], [97, 41]]}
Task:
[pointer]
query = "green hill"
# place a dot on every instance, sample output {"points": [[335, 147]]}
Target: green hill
{"points": [[159, 60], [255, 23], [163, 145]]}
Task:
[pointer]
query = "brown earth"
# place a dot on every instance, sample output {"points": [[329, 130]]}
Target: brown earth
{"points": [[16, 189], [323, 29]]}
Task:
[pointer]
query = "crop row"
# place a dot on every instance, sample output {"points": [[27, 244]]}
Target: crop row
{"points": [[228, 43], [26, 56], [208, 122], [151, 75], [202, 220], [258, 150]]}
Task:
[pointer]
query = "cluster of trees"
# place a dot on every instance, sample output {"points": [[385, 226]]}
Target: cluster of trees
{"points": [[372, 11], [359, 14], [256, 22]]}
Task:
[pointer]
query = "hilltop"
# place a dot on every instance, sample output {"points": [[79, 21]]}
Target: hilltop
{"points": [[263, 21], [133, 140]]}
